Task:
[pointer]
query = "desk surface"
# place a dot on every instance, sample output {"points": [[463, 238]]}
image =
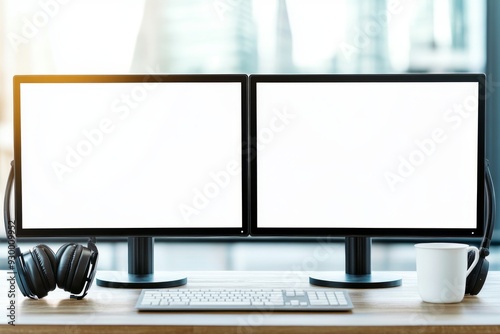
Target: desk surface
{"points": [[398, 310]]}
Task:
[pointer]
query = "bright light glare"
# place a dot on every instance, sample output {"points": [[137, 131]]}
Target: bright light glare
{"points": [[80, 44], [318, 27]]}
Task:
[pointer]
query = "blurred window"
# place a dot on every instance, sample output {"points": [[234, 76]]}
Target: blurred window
{"points": [[233, 36]]}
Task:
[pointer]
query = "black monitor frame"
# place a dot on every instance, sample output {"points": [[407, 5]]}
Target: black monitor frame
{"points": [[358, 240], [133, 78]]}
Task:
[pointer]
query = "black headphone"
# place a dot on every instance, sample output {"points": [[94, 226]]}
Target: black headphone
{"points": [[38, 271], [477, 277]]}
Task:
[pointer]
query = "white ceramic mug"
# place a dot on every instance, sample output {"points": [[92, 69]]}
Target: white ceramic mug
{"points": [[442, 271]]}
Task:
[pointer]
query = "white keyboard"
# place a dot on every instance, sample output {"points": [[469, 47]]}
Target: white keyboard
{"points": [[190, 299]]}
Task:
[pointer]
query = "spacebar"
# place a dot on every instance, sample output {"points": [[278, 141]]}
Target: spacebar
{"points": [[219, 304]]}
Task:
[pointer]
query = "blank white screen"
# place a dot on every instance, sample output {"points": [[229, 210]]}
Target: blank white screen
{"points": [[131, 155], [367, 155]]}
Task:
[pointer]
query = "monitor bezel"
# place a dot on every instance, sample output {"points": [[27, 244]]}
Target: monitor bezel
{"points": [[255, 230], [243, 230]]}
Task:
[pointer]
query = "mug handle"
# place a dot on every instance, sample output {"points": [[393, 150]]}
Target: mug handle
{"points": [[476, 258]]}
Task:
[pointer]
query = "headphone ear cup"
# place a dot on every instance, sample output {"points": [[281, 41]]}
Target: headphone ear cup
{"points": [[21, 276], [39, 268], [73, 264], [475, 281]]}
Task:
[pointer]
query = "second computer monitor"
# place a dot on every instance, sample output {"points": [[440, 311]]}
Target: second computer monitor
{"points": [[367, 155]]}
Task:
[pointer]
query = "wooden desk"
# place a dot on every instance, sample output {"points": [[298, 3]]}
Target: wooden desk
{"points": [[393, 310]]}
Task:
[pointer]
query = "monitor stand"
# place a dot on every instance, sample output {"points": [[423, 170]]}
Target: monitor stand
{"points": [[358, 273], [140, 274]]}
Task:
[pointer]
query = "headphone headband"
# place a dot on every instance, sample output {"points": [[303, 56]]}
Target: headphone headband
{"points": [[490, 212], [10, 227]]}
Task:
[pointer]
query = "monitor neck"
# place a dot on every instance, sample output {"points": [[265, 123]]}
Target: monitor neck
{"points": [[358, 255]]}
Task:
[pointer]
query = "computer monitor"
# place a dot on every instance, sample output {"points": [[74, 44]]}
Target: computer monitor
{"points": [[136, 156], [362, 156]]}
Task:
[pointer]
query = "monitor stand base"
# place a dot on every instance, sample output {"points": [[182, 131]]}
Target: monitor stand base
{"points": [[358, 274], [120, 279], [347, 281]]}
